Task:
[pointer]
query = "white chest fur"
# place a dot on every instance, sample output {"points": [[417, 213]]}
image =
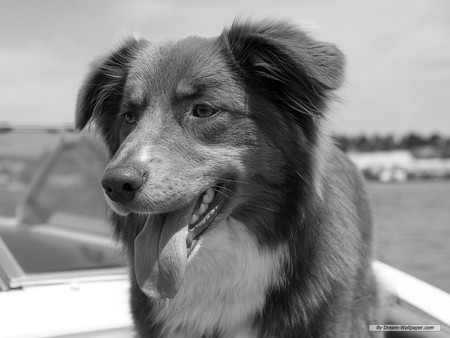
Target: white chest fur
{"points": [[224, 286]]}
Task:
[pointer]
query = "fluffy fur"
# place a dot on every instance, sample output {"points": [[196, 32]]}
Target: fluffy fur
{"points": [[290, 252]]}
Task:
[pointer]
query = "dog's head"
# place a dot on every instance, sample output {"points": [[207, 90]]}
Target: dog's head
{"points": [[201, 128]]}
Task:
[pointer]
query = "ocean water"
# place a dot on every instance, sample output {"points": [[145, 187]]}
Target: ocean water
{"points": [[413, 228]]}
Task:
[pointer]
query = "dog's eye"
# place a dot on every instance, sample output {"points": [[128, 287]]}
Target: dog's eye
{"points": [[129, 118], [203, 110]]}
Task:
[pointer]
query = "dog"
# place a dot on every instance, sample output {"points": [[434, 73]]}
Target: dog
{"points": [[239, 215]]}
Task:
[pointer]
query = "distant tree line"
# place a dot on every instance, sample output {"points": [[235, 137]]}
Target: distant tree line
{"points": [[434, 143]]}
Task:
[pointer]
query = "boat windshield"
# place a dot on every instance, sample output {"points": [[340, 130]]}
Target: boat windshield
{"points": [[52, 212]]}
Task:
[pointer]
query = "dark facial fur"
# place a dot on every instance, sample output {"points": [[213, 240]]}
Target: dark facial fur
{"points": [[268, 86]]}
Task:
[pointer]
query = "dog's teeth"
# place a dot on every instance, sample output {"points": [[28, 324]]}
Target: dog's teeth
{"points": [[208, 196], [194, 218], [203, 208]]}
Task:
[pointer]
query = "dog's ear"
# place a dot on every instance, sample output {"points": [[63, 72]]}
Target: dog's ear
{"points": [[284, 61], [101, 92]]}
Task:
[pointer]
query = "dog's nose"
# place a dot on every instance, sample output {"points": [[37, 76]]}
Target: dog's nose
{"points": [[121, 184]]}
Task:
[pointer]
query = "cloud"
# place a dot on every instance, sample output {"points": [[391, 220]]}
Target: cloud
{"points": [[398, 74]]}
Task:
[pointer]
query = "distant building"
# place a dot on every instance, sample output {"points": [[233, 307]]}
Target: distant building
{"points": [[426, 152], [401, 165]]}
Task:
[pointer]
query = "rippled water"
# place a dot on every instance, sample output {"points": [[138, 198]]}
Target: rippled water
{"points": [[413, 228]]}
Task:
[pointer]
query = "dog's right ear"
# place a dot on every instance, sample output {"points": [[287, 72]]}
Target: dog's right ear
{"points": [[289, 67], [101, 92]]}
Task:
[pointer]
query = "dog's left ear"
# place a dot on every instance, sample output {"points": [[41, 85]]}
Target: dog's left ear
{"points": [[283, 60], [101, 94]]}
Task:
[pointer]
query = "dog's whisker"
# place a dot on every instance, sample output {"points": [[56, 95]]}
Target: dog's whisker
{"points": [[98, 200], [219, 190], [238, 181], [260, 207], [246, 203], [235, 181]]}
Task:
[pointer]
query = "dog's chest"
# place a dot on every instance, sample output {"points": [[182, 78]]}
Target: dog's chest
{"points": [[224, 287]]}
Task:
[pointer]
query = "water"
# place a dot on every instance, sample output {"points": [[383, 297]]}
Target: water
{"points": [[413, 228]]}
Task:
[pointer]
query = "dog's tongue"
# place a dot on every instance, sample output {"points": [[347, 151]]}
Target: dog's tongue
{"points": [[160, 253]]}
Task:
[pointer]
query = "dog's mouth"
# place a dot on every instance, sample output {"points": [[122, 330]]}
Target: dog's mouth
{"points": [[163, 247], [207, 207]]}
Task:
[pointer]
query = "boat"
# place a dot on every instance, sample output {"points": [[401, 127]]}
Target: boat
{"points": [[61, 274]]}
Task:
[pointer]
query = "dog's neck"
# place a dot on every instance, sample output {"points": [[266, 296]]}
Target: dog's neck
{"points": [[225, 285]]}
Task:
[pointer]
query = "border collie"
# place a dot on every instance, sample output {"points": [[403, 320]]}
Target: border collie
{"points": [[239, 216]]}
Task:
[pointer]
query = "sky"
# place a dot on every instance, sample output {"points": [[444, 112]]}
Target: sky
{"points": [[398, 53]]}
